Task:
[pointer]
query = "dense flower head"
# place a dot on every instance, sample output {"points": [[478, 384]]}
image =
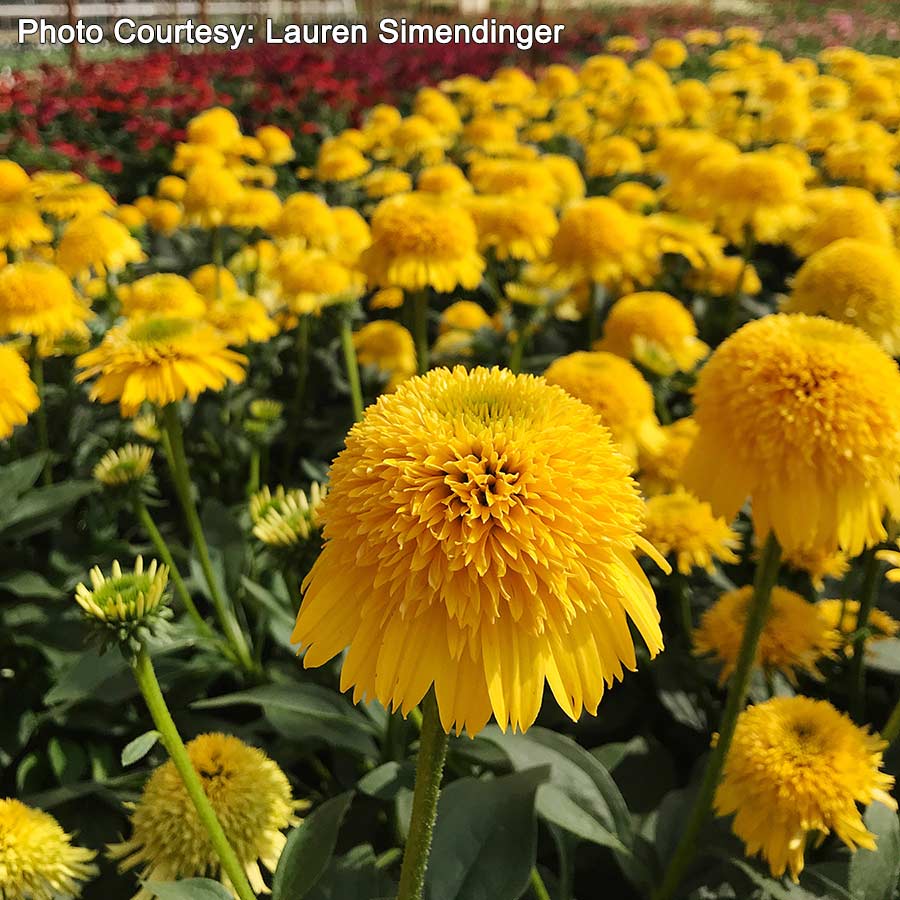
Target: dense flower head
{"points": [[387, 346], [288, 517], [21, 225], [616, 391], [419, 241], [252, 800], [161, 294], [20, 395], [38, 860], [339, 160], [37, 299], [241, 319], [614, 155], [488, 517], [311, 280], [654, 329], [841, 212], [307, 221], [660, 464], [14, 180], [817, 563], [794, 639], [802, 415], [464, 315], [852, 281], [97, 244], [529, 178], [680, 525], [512, 227], [254, 208], [70, 199], [217, 127], [798, 768], [161, 360], [210, 193]]}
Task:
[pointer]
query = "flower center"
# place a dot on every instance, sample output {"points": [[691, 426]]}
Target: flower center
{"points": [[158, 330], [481, 486]]}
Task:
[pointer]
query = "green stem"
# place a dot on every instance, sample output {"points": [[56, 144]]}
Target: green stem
{"points": [[37, 375], [684, 607], [296, 414], [352, 365], [868, 594], [429, 769], [183, 488], [766, 576], [162, 718], [218, 258], [538, 886], [419, 302], [162, 548], [892, 726], [253, 480]]}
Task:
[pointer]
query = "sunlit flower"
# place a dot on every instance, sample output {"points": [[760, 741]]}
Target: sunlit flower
{"points": [[171, 187], [216, 127], [818, 564], [20, 396], [161, 294], [661, 465], [389, 347], [614, 155], [288, 517], [797, 768], [794, 639], [415, 139], [307, 221], [841, 212], [513, 227], [444, 178], [682, 526], [803, 415], [37, 858], [616, 391], [635, 196], [453, 519], [354, 235], [529, 178], [254, 208], [418, 241], [161, 360], [339, 160], [66, 200], [668, 53], [21, 225], [14, 181], [37, 299], [856, 282], [97, 244], [464, 315], [720, 277], [241, 319], [311, 280], [276, 145], [654, 329], [252, 800], [209, 195]]}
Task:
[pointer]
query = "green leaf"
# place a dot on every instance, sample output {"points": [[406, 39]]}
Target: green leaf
{"points": [[580, 795], [306, 712], [309, 849], [189, 889], [20, 475], [485, 839], [139, 747], [385, 781], [874, 873], [29, 585], [41, 508], [355, 876], [769, 888], [67, 759]]}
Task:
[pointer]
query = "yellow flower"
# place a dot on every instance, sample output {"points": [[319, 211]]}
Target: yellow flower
{"points": [[241, 319], [696, 100], [339, 160], [210, 194], [635, 197], [127, 465], [415, 139], [660, 467], [557, 81], [209, 281], [842, 615], [615, 155], [668, 53], [720, 277], [388, 347], [250, 795], [307, 221], [171, 187], [289, 517], [654, 329], [216, 127], [529, 178], [387, 298], [161, 294], [703, 37], [37, 858], [853, 162], [454, 516], [14, 181], [125, 599], [38, 299], [464, 315], [802, 415], [130, 216], [276, 145], [737, 33], [354, 235], [794, 639], [254, 208], [681, 525], [161, 360], [20, 396], [97, 245], [444, 178], [892, 557], [21, 225], [598, 241], [493, 134], [387, 181], [163, 216], [615, 390], [67, 200], [567, 176], [622, 43], [418, 241], [856, 282], [818, 564], [513, 227], [841, 212], [311, 280], [438, 109], [797, 768]]}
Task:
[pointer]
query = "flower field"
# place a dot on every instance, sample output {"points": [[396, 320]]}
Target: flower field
{"points": [[466, 481]]}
